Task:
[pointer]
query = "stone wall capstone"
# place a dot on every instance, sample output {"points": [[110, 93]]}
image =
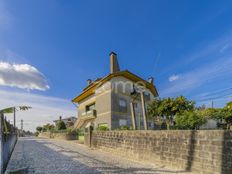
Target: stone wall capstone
{"points": [[202, 151]]}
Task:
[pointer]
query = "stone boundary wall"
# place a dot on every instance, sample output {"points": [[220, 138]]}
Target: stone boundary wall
{"points": [[203, 151], [62, 136]]}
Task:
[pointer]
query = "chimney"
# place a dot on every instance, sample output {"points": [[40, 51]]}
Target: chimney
{"points": [[60, 118], [150, 80], [114, 66], [89, 81]]}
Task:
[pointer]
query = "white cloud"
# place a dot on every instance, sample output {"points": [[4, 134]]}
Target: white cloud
{"points": [[44, 109], [173, 78], [22, 76]]}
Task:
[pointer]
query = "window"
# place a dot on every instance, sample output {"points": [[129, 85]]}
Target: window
{"points": [[90, 107], [122, 122], [122, 102], [122, 105]]}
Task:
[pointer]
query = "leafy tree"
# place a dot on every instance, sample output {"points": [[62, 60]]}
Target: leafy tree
{"points": [[48, 127], [39, 128], [189, 120], [222, 115], [227, 113], [60, 125], [11, 109], [167, 108]]}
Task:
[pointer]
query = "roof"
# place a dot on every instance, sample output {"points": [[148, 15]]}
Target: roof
{"points": [[89, 90]]}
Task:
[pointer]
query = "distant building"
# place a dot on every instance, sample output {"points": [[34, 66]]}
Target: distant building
{"points": [[69, 121], [107, 101]]}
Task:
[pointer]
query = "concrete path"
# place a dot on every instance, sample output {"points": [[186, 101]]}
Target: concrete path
{"points": [[64, 157]]}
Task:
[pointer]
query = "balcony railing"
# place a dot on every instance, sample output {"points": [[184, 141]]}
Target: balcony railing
{"points": [[91, 113]]}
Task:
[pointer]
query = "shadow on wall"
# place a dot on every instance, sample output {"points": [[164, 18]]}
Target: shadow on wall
{"points": [[208, 151], [224, 153], [226, 156], [191, 151]]}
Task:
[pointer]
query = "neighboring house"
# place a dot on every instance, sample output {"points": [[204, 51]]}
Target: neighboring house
{"points": [[107, 101], [210, 124], [69, 121]]}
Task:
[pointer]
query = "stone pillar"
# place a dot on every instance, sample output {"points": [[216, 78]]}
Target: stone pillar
{"points": [[133, 116], [88, 136], [144, 111]]}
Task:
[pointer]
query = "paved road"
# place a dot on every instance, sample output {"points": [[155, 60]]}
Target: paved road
{"points": [[62, 157]]}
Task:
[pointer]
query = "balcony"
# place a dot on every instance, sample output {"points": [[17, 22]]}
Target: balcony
{"points": [[84, 118], [90, 113]]}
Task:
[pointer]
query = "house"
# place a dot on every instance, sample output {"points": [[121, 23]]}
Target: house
{"points": [[115, 99], [69, 121]]}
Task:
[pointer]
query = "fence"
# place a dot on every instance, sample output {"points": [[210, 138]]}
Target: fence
{"points": [[7, 144]]}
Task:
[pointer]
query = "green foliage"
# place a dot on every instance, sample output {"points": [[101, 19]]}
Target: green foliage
{"points": [[227, 113], [8, 110], [39, 128], [102, 128], [48, 127], [189, 120], [36, 133], [80, 132], [180, 113], [24, 108], [167, 108], [11, 109], [125, 127], [6, 127], [60, 125]]}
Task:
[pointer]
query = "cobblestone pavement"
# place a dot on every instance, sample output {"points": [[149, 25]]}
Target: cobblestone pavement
{"points": [[64, 157]]}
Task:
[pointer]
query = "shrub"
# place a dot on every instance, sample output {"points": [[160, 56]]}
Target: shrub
{"points": [[189, 120], [103, 128], [60, 125], [124, 127], [36, 134], [39, 128]]}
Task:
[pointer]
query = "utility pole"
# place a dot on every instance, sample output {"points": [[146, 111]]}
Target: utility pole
{"points": [[21, 132], [212, 104], [22, 125], [14, 117]]}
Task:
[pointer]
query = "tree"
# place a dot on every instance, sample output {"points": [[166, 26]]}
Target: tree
{"points": [[11, 109], [189, 120], [48, 127], [60, 125], [39, 128], [228, 114], [167, 108]]}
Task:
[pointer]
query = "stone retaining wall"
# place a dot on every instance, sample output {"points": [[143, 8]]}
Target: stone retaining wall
{"points": [[204, 151], [63, 136]]}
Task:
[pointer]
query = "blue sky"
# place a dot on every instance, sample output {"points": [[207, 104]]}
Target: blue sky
{"points": [[185, 45]]}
